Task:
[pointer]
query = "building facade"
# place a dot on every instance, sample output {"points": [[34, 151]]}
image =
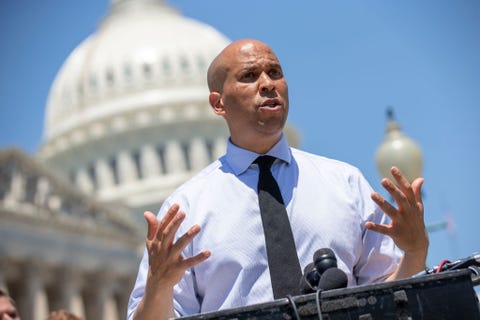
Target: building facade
{"points": [[60, 248]]}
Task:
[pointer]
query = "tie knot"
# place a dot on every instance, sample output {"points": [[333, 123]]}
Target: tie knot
{"points": [[264, 162]]}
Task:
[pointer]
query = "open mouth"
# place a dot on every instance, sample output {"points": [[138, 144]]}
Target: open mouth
{"points": [[271, 104]]}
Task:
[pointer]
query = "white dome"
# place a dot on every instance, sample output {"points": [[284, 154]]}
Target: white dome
{"points": [[128, 117], [141, 46]]}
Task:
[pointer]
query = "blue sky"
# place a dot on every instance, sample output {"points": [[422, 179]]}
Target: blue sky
{"points": [[345, 62]]}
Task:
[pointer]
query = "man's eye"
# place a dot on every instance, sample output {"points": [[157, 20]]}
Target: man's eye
{"points": [[275, 73], [248, 75]]}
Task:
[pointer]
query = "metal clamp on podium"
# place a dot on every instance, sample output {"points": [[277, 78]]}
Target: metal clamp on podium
{"points": [[447, 295]]}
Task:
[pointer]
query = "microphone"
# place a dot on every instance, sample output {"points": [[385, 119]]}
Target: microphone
{"points": [[324, 259], [333, 278], [323, 273], [309, 279]]}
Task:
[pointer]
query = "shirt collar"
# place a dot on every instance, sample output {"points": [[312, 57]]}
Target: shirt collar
{"points": [[240, 159]]}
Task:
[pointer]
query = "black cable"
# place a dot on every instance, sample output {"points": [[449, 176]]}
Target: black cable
{"points": [[317, 301], [294, 307]]}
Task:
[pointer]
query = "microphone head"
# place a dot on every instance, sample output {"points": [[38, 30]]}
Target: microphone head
{"points": [[333, 278], [324, 259], [310, 279], [311, 275]]}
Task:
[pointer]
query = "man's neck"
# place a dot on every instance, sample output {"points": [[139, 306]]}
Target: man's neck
{"points": [[257, 145]]}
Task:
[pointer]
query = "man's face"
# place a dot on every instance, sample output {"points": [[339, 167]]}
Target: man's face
{"points": [[8, 310], [254, 95]]}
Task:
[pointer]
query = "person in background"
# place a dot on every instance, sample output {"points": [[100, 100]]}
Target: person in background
{"points": [[8, 308], [62, 315], [206, 250]]}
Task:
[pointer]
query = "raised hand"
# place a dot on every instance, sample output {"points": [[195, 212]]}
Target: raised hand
{"points": [[167, 265], [407, 226]]}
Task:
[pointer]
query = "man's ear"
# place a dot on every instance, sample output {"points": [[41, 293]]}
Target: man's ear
{"points": [[215, 99]]}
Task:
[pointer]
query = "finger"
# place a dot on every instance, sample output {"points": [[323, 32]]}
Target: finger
{"points": [[397, 195], [403, 183], [169, 216], [380, 228], [417, 189], [171, 229], [152, 224], [186, 238], [386, 207], [194, 260]]}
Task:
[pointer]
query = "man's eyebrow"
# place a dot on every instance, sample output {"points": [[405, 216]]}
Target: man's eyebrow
{"points": [[249, 68], [254, 67], [275, 64]]}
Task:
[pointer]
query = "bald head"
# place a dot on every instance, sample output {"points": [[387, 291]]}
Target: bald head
{"points": [[218, 70]]}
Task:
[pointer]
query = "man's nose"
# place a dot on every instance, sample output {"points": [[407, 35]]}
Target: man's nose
{"points": [[266, 83]]}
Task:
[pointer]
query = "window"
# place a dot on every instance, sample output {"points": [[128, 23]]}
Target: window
{"points": [[138, 165], [110, 77], [167, 68], [112, 163], [92, 174], [209, 145], [185, 66], [127, 72], [147, 71], [186, 155], [161, 156]]}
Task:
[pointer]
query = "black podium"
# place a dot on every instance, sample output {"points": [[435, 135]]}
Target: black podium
{"points": [[446, 295]]}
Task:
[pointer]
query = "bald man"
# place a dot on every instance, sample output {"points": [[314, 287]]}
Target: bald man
{"points": [[206, 250]]}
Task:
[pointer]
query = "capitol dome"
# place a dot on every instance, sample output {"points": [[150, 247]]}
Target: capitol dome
{"points": [[128, 117]]}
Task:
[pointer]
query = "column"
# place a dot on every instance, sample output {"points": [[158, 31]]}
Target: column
{"points": [[174, 158], [122, 297], [83, 181], [219, 147], [43, 190], [110, 308], [16, 193], [77, 307], [35, 298], [67, 293], [104, 174], [99, 301], [150, 162], [126, 168], [3, 267], [198, 154]]}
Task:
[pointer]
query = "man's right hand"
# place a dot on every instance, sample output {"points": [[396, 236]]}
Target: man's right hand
{"points": [[167, 265]]}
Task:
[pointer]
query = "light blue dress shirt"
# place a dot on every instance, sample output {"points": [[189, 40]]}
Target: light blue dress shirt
{"points": [[328, 203]]}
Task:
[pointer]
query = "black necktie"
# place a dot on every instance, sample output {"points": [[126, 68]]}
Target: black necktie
{"points": [[285, 271]]}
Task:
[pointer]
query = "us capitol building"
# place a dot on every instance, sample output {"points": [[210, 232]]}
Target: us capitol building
{"points": [[127, 121]]}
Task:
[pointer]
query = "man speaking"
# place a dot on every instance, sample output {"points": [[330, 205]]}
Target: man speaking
{"points": [[241, 230]]}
